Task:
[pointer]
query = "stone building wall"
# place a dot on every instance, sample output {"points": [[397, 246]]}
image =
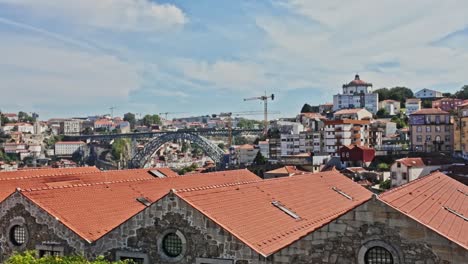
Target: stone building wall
{"points": [[342, 241], [41, 228]]}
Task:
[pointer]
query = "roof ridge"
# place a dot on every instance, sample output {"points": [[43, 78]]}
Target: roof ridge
{"points": [[85, 184], [39, 169], [408, 184], [48, 175], [216, 186]]}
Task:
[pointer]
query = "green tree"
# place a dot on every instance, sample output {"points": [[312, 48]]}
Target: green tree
{"points": [[130, 117], [4, 119], [121, 149], [149, 120], [309, 109], [29, 257], [463, 93], [260, 159], [24, 117], [396, 93], [221, 145], [382, 113], [385, 185], [383, 167], [384, 93]]}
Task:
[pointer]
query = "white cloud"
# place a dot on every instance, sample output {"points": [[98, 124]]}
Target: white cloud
{"points": [[118, 15], [326, 42], [36, 71], [224, 74]]}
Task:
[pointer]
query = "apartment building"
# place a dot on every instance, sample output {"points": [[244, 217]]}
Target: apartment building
{"points": [[356, 114], [67, 148], [428, 94], [447, 104], [339, 133], [431, 130], [70, 127]]}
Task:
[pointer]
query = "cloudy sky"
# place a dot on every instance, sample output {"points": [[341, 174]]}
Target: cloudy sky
{"points": [[70, 58]]}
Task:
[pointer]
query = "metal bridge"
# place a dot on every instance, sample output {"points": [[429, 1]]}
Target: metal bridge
{"points": [[142, 157], [137, 135]]}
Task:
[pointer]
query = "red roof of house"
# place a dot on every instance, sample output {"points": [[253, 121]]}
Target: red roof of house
{"points": [[348, 111], [430, 111], [313, 115], [92, 210], [247, 210], [347, 121], [434, 201], [289, 170], [39, 172], [412, 162]]}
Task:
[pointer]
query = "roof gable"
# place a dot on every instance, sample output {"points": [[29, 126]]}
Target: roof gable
{"points": [[261, 224], [433, 201]]}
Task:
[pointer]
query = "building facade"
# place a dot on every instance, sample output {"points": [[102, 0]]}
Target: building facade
{"points": [[447, 104], [431, 130], [338, 133], [405, 170], [460, 131], [70, 127], [67, 148], [427, 94], [356, 94], [391, 106], [412, 105]]}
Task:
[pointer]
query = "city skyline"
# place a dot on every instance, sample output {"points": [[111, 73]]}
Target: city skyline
{"points": [[80, 58]]}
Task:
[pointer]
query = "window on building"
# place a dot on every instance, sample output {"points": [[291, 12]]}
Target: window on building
{"points": [[378, 255], [133, 257], [447, 128], [419, 129], [404, 175], [213, 261], [418, 138], [437, 119], [49, 249], [172, 245], [428, 138], [393, 175], [447, 138], [428, 129], [398, 165], [18, 235], [437, 128]]}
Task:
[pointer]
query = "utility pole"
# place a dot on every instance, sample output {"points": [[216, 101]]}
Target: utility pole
{"points": [[265, 99]]}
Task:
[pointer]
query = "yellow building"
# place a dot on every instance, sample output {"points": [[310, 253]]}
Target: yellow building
{"points": [[460, 136]]}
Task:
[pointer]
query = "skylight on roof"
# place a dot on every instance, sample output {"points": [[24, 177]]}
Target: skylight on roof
{"points": [[342, 193], [157, 173], [280, 206], [456, 213], [143, 200]]}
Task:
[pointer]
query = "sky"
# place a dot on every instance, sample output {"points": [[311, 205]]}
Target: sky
{"points": [[66, 58]]}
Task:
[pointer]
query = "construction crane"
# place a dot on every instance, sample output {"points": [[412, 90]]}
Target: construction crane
{"points": [[112, 111], [170, 113], [265, 99], [228, 116]]}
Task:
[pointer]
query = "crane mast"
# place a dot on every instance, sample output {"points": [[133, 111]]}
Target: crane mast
{"points": [[265, 99]]}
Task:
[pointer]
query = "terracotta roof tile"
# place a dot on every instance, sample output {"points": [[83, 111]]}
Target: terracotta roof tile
{"points": [[429, 200], [430, 111], [247, 211], [92, 210], [348, 111]]}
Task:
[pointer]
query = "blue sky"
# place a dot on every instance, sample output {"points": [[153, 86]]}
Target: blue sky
{"points": [[71, 58]]}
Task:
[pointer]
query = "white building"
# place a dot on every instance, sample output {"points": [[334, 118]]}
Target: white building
{"points": [[338, 133], [70, 127], [412, 105], [427, 94], [391, 106], [20, 127], [357, 94], [409, 169], [356, 114], [67, 148], [243, 154]]}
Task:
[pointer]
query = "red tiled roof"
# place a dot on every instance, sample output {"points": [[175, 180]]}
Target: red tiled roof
{"points": [[357, 82], [39, 172], [92, 210], [430, 111], [348, 111], [412, 162], [347, 121], [313, 115], [289, 170], [429, 199], [247, 211]]}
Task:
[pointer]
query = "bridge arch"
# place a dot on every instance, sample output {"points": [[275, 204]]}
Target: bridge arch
{"points": [[143, 156]]}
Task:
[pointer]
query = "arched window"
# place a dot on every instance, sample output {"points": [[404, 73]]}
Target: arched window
{"points": [[378, 255]]}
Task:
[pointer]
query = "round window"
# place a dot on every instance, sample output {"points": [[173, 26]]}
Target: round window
{"points": [[18, 235], [378, 255], [172, 245]]}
